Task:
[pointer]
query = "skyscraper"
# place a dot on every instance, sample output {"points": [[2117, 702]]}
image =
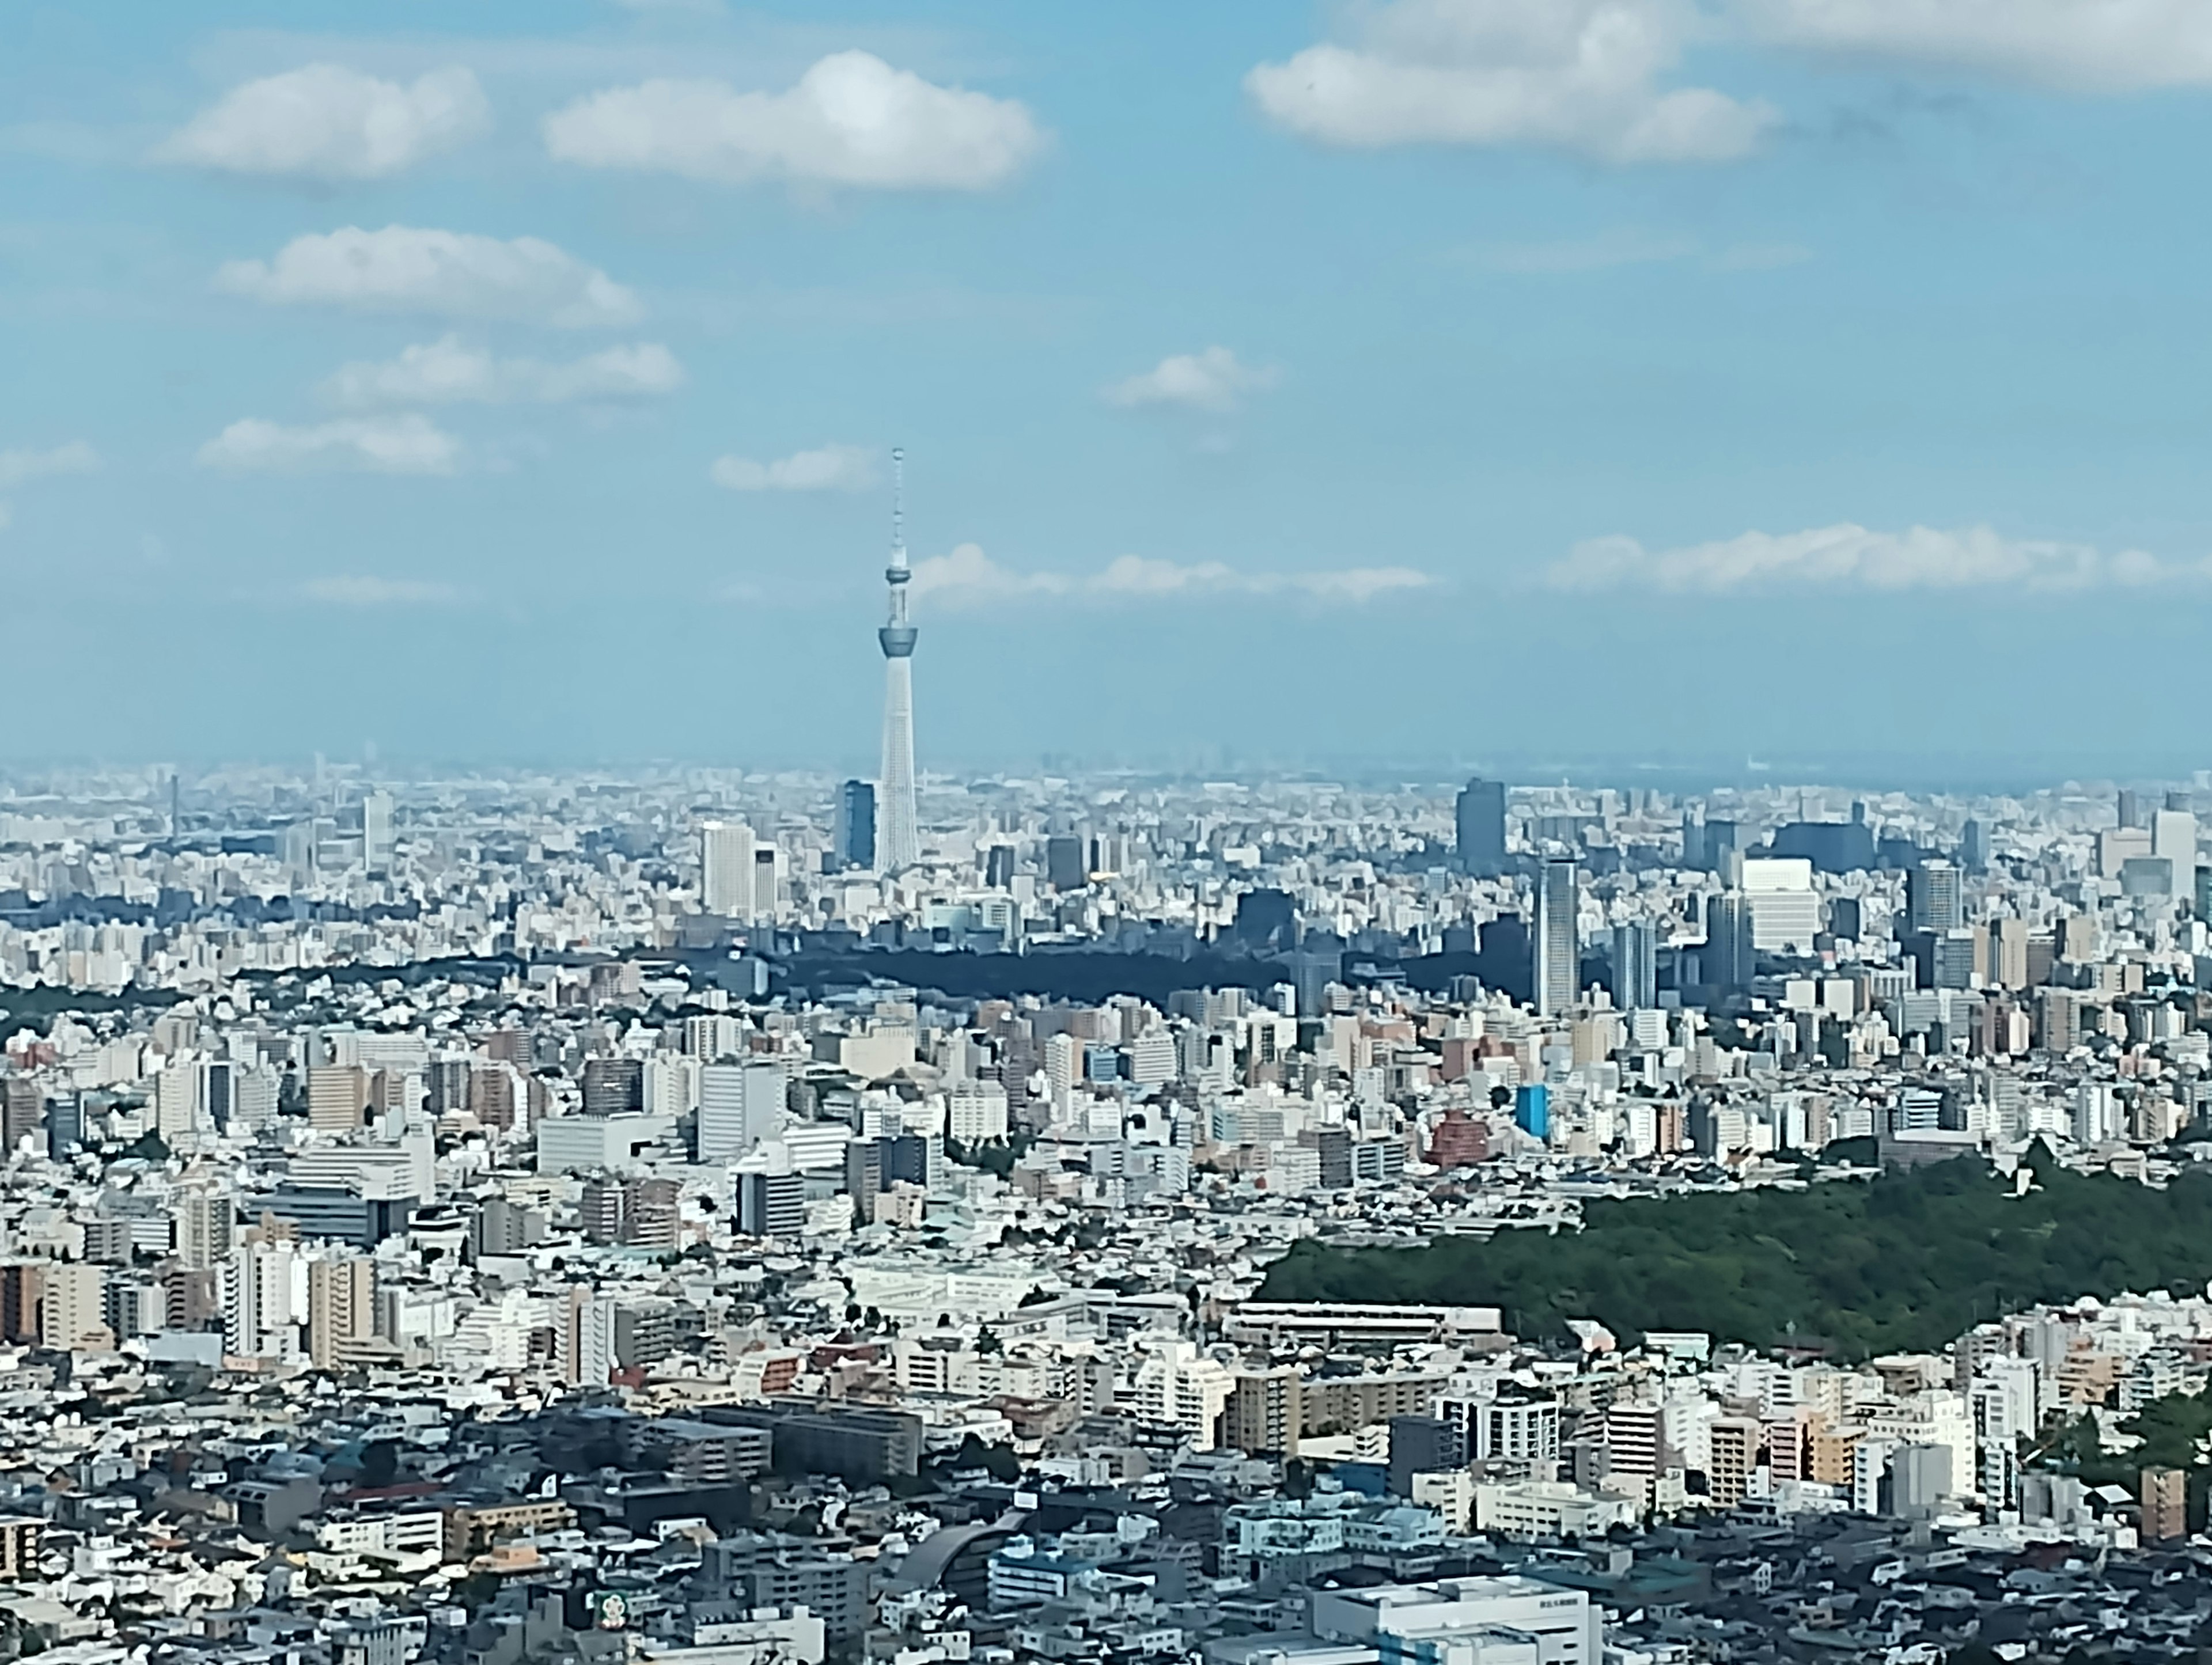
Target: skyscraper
{"points": [[1481, 826], [898, 833], [1932, 898], [856, 824], [1558, 899], [377, 842], [1635, 965], [725, 860]]}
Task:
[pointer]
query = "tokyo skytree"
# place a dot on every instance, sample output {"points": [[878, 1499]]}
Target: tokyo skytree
{"points": [[898, 835]]}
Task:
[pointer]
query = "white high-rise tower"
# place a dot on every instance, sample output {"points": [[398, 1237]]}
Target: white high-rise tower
{"points": [[898, 833]]}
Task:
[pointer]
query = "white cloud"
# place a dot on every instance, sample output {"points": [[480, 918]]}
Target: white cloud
{"points": [[1578, 76], [1211, 380], [1850, 557], [968, 575], [380, 445], [832, 468], [2076, 45], [362, 592], [407, 268], [21, 467], [1597, 252], [327, 122], [852, 120], [450, 371]]}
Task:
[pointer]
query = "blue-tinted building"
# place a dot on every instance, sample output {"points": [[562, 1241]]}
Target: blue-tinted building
{"points": [[1532, 1110], [856, 824]]}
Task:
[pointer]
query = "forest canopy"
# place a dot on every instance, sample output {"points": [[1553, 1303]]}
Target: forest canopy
{"points": [[1903, 1262]]}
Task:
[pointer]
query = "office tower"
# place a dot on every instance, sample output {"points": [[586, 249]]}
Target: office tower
{"points": [[377, 841], [2130, 809], [1785, 909], [22, 1111], [864, 1177], [614, 1086], [1063, 864], [739, 1105], [1558, 898], [341, 1305], [218, 1091], [1728, 956], [1481, 826], [2173, 839], [1974, 848], [999, 867], [898, 835], [2163, 1494], [1635, 966], [2008, 953], [726, 869], [856, 824], [771, 1205], [65, 1125], [586, 1340], [201, 1226], [336, 1095], [1933, 901], [72, 1309]]}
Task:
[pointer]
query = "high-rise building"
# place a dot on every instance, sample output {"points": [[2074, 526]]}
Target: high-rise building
{"points": [[739, 1105], [377, 839], [614, 1086], [1559, 900], [2163, 1495], [341, 1305], [1785, 909], [1635, 966], [22, 1111], [856, 824], [201, 1226], [2173, 838], [1481, 826], [771, 1205], [726, 869], [1933, 899], [336, 1095], [898, 826], [1727, 959], [1063, 863], [1974, 848]]}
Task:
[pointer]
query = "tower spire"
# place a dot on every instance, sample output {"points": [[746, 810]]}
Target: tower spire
{"points": [[898, 836]]}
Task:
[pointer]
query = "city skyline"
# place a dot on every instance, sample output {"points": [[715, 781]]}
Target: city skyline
{"points": [[1892, 373]]}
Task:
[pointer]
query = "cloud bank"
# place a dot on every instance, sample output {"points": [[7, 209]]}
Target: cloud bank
{"points": [[1584, 77], [1210, 380], [383, 445], [967, 575], [450, 371], [453, 274], [327, 122], [851, 120], [1849, 557], [2070, 46], [831, 468], [21, 467]]}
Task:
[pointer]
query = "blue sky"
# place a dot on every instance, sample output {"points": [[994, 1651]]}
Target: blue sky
{"points": [[1507, 382]]}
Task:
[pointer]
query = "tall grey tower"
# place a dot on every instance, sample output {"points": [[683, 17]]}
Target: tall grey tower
{"points": [[898, 833]]}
